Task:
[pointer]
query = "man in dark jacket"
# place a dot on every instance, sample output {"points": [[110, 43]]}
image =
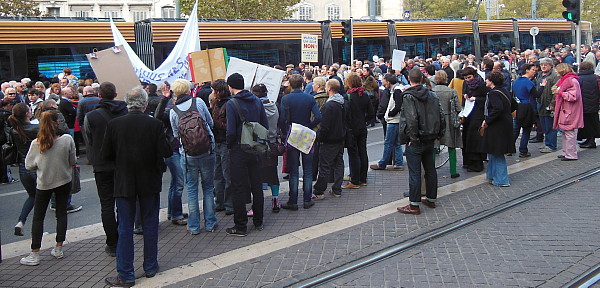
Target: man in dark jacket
{"points": [[222, 163], [137, 144], [245, 167], [297, 107], [331, 135], [65, 106], [422, 121], [94, 126], [153, 99], [332, 72], [204, 92]]}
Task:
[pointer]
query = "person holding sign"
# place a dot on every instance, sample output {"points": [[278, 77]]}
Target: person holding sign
{"points": [[474, 92]]}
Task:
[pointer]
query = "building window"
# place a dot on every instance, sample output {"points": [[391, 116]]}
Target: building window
{"points": [[377, 7], [139, 15], [54, 11], [82, 13], [305, 11], [168, 12], [113, 14], [333, 12]]}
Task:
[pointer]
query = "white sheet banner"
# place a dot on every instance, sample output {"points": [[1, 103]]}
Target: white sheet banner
{"points": [[176, 65], [272, 78], [245, 68]]}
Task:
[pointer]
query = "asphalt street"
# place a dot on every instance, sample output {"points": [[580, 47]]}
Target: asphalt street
{"points": [[12, 196]]}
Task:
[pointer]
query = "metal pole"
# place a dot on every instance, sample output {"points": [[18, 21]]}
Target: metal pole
{"points": [[372, 9], [454, 46], [177, 9], [533, 9], [578, 44], [534, 43], [487, 9], [351, 35]]}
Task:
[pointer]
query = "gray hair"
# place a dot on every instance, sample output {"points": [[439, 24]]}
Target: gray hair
{"points": [[136, 98], [547, 61]]}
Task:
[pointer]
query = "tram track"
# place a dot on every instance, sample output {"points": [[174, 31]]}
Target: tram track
{"points": [[587, 279]]}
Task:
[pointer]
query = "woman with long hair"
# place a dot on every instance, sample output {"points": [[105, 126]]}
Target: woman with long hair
{"points": [[475, 91], [362, 112], [568, 110], [52, 157], [23, 132]]}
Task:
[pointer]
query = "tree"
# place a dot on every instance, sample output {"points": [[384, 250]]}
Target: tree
{"points": [[19, 8], [241, 9]]}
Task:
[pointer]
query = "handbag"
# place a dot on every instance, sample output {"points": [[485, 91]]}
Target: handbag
{"points": [[75, 179], [10, 153], [276, 148]]}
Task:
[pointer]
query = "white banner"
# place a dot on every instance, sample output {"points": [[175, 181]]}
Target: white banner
{"points": [[176, 65]]}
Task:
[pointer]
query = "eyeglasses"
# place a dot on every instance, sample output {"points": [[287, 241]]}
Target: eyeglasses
{"points": [[12, 93]]}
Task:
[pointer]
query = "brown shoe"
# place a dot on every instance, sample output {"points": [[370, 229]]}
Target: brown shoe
{"points": [[428, 203], [351, 186], [376, 167], [409, 209]]}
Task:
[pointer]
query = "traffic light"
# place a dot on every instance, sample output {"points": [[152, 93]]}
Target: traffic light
{"points": [[347, 30], [573, 12]]}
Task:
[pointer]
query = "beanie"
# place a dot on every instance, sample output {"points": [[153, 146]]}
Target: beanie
{"points": [[236, 81]]}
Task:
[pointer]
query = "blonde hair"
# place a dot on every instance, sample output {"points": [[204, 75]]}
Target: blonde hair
{"points": [[181, 87], [441, 77], [320, 81], [563, 69]]}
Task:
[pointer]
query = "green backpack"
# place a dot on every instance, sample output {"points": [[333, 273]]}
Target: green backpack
{"points": [[255, 137]]}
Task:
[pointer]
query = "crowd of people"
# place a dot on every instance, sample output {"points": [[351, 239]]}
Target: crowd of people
{"points": [[196, 132]]}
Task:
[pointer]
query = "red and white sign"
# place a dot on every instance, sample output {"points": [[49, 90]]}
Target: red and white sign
{"points": [[310, 48]]}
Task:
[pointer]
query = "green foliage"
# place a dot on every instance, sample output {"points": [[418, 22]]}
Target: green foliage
{"points": [[241, 9], [19, 8]]}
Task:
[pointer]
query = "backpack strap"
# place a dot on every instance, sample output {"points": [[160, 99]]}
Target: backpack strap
{"points": [[239, 110]]}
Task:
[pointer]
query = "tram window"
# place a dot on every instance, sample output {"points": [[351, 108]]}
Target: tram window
{"points": [[6, 64]]}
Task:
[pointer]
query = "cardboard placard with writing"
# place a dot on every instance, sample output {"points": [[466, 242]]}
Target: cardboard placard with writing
{"points": [[113, 65], [207, 65]]}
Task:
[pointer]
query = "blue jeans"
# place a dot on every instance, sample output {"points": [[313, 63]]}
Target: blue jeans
{"points": [[497, 170], [293, 161], [547, 122], [417, 155], [149, 206], [391, 143], [524, 136], [176, 187], [28, 179], [202, 166], [223, 177]]}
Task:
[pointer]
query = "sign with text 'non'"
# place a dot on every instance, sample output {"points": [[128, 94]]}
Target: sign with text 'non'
{"points": [[310, 48]]}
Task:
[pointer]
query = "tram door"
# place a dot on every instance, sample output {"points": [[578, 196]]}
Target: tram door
{"points": [[438, 45]]}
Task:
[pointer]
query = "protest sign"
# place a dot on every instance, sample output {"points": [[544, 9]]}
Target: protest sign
{"points": [[113, 65]]}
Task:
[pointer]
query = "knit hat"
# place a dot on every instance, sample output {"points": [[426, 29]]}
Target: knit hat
{"points": [[236, 81]]}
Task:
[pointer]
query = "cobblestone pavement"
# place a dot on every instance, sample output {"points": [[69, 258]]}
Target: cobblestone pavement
{"points": [[546, 242], [86, 265]]}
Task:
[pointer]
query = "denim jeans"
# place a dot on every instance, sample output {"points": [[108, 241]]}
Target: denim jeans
{"points": [[42, 198], [391, 143], [28, 179], [246, 170], [524, 136], [417, 155], [105, 183], [176, 187], [497, 170], [149, 206], [293, 163], [202, 167], [223, 177], [547, 122]]}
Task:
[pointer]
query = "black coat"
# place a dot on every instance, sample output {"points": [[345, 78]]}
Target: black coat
{"points": [[361, 112], [68, 110], [498, 137], [94, 127], [472, 141], [137, 144], [589, 91]]}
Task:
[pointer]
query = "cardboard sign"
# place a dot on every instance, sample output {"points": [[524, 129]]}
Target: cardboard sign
{"points": [[310, 48], [113, 65], [207, 65]]}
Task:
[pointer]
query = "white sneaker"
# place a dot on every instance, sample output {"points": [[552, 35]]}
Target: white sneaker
{"points": [[32, 260], [19, 229], [57, 252]]}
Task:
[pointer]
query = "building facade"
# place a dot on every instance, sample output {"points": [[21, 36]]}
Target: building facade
{"points": [[319, 10], [130, 10]]}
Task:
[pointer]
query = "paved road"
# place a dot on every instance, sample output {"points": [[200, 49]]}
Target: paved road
{"points": [[12, 196]]}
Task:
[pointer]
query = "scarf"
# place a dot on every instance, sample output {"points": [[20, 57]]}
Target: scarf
{"points": [[359, 90], [568, 75], [182, 98], [475, 83]]}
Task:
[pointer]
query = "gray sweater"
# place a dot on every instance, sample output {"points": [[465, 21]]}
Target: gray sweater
{"points": [[53, 167]]}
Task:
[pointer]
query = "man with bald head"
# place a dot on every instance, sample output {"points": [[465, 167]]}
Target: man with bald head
{"points": [[88, 103]]}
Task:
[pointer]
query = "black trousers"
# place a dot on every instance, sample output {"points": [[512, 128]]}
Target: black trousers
{"points": [[246, 179], [105, 183], [331, 162], [42, 198], [358, 159]]}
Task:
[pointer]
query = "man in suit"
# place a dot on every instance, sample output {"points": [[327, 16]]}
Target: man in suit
{"points": [[137, 144]]}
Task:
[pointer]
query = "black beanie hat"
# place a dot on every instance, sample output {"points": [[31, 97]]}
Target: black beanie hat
{"points": [[236, 81]]}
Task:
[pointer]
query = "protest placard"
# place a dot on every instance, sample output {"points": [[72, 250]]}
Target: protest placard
{"points": [[113, 65]]}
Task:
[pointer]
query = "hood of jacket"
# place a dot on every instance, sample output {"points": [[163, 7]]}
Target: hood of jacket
{"points": [[245, 95], [336, 98], [115, 107], [270, 107], [419, 92]]}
